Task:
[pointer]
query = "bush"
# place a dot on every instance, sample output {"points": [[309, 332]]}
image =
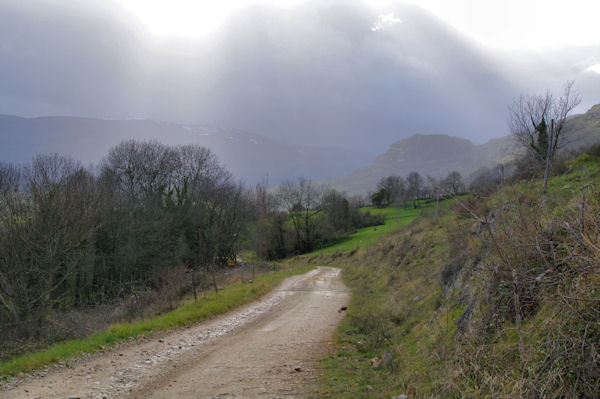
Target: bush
{"points": [[365, 219], [594, 150]]}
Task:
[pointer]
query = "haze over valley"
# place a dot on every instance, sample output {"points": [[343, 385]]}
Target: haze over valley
{"points": [[250, 157]]}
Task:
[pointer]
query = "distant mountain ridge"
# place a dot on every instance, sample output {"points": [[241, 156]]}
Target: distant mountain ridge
{"points": [[250, 157], [436, 154]]}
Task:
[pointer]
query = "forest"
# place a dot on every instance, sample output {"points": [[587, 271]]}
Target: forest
{"points": [[77, 238]]}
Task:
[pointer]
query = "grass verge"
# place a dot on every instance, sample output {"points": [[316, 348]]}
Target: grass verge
{"points": [[187, 313], [396, 298], [395, 220], [437, 297]]}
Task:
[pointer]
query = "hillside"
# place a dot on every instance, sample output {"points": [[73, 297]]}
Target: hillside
{"points": [[436, 155], [248, 156], [428, 154], [497, 298], [584, 129]]}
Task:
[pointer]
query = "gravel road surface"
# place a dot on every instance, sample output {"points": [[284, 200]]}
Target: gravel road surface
{"points": [[267, 349]]}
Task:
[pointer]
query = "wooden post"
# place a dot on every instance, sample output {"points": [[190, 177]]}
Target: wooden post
{"points": [[194, 285], [437, 201], [214, 280], [582, 210]]}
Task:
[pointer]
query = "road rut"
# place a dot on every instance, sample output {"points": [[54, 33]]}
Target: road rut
{"points": [[268, 349]]}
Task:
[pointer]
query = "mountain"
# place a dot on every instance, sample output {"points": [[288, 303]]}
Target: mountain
{"points": [[248, 156], [428, 154], [436, 155], [584, 130]]}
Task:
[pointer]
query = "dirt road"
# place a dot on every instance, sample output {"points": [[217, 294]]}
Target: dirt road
{"points": [[267, 349]]}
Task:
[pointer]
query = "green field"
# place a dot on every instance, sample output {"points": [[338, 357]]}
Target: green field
{"points": [[395, 218]]}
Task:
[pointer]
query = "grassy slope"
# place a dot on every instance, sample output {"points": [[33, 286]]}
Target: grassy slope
{"points": [[395, 219], [187, 313], [407, 302], [395, 291]]}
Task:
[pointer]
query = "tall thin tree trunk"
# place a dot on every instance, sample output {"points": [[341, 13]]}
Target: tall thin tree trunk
{"points": [[548, 155], [212, 272], [194, 285]]}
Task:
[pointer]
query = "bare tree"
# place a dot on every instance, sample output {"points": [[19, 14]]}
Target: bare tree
{"points": [[140, 169], [453, 183], [212, 208], [10, 177], [303, 201], [415, 186], [70, 239], [391, 188], [139, 219], [538, 123], [486, 178], [46, 231]]}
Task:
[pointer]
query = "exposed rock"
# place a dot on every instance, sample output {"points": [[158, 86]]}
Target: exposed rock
{"points": [[386, 360], [410, 393], [375, 362], [418, 298]]}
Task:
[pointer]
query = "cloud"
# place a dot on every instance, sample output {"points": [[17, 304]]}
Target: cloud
{"points": [[313, 74], [385, 20], [595, 68]]}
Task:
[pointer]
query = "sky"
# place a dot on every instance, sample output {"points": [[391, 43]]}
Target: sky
{"points": [[504, 24], [345, 73]]}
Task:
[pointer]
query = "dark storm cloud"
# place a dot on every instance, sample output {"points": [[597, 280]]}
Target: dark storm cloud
{"points": [[67, 55], [317, 73]]}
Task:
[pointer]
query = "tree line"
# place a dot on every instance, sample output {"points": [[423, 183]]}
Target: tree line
{"points": [[412, 188], [300, 216], [74, 237]]}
